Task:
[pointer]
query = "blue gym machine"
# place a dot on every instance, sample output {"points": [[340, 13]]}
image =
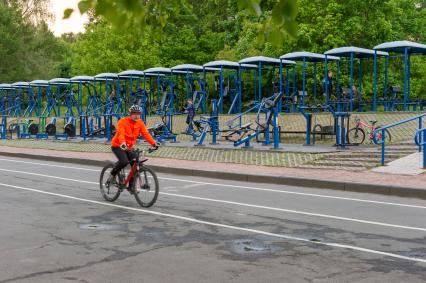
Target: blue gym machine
{"points": [[353, 54], [132, 85], [408, 49], [195, 84], [230, 71], [61, 95], [166, 103]]}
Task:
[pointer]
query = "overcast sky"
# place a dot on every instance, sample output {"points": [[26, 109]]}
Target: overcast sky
{"points": [[73, 24]]}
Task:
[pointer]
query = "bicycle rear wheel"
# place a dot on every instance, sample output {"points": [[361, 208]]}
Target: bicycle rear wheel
{"points": [[146, 187], [388, 137], [355, 136], [109, 191]]}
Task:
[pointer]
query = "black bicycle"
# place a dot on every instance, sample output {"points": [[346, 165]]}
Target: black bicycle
{"points": [[142, 182]]}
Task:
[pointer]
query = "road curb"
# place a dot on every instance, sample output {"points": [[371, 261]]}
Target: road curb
{"points": [[279, 180]]}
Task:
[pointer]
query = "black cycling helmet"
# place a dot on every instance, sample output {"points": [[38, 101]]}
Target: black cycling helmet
{"points": [[135, 109]]}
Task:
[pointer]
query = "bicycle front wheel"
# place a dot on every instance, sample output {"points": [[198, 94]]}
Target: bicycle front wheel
{"points": [[355, 136], [146, 187], [109, 191]]}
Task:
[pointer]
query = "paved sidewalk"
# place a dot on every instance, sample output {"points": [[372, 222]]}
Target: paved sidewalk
{"points": [[365, 181]]}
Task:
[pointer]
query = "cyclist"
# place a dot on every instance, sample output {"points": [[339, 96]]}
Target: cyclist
{"points": [[128, 130]]}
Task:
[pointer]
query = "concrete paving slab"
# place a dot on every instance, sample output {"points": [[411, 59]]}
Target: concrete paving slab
{"points": [[409, 165]]}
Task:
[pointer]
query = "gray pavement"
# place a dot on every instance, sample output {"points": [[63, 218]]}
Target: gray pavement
{"points": [[57, 228]]}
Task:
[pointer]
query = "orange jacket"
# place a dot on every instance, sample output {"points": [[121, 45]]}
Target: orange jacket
{"points": [[128, 131]]}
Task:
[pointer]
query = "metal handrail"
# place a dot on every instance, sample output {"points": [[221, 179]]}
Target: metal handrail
{"points": [[417, 140], [382, 130]]}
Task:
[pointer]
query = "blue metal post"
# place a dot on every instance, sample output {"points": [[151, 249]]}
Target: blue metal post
{"points": [[375, 81], [420, 126], [360, 77], [405, 77], [276, 130], [383, 147], [280, 107], [351, 82], [259, 78], [304, 82], [315, 83], [409, 79], [386, 75], [326, 82]]}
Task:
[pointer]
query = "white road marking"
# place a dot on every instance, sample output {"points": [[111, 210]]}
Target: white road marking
{"points": [[208, 223], [244, 204], [240, 187]]}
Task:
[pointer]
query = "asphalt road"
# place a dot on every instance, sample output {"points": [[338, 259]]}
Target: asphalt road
{"points": [[56, 227]]}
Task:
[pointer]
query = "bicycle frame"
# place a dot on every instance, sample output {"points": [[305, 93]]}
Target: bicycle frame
{"points": [[131, 173]]}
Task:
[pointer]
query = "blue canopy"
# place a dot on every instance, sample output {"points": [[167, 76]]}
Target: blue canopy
{"points": [[106, 76], [21, 84], [131, 74], [39, 83], [5, 86], [82, 79], [59, 81], [400, 46], [261, 59], [357, 52], [308, 57]]}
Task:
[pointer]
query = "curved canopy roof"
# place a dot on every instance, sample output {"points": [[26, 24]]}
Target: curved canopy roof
{"points": [[158, 70], [308, 56], [21, 84], [226, 65], [356, 51], [39, 83], [131, 73], [222, 64], [260, 59], [188, 68], [400, 46], [106, 76], [82, 79], [5, 86], [59, 81]]}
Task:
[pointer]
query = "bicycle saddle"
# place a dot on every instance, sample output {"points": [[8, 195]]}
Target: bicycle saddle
{"points": [[373, 122]]}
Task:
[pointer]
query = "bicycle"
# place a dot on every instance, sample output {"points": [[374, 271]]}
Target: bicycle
{"points": [[356, 135], [142, 182]]}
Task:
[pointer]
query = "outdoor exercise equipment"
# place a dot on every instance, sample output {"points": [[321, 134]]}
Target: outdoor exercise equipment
{"points": [[165, 96], [305, 58], [3, 127], [6, 102], [162, 131], [267, 64], [195, 84], [407, 48], [266, 116], [353, 54], [60, 94], [229, 83], [208, 124], [135, 86]]}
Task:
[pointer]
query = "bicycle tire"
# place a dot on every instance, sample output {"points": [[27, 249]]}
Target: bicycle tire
{"points": [[355, 136], [105, 189], [142, 187], [388, 136]]}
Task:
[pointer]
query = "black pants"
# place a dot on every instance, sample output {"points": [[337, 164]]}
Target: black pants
{"points": [[123, 156]]}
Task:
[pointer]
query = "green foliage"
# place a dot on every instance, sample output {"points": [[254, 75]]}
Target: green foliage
{"points": [[27, 50]]}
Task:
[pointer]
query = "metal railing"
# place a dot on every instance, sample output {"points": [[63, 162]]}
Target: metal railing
{"points": [[421, 141], [381, 130]]}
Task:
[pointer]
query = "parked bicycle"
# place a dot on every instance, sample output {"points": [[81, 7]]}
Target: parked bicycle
{"points": [[141, 182], [357, 134]]}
